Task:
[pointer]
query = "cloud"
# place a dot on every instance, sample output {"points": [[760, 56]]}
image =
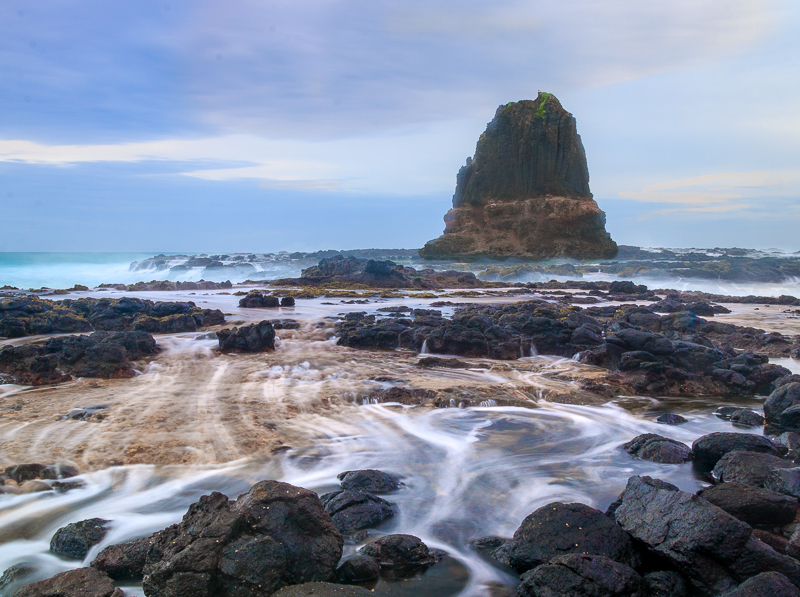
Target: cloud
{"points": [[701, 191], [694, 210]]}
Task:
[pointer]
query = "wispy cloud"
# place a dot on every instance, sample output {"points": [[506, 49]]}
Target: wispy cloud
{"points": [[704, 194]]}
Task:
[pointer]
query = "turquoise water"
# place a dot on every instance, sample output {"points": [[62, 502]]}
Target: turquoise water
{"points": [[63, 270]]}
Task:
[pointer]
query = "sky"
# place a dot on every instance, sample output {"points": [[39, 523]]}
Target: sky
{"points": [[263, 125]]}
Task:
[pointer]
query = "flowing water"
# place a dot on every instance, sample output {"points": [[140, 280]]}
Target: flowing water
{"points": [[195, 422]]}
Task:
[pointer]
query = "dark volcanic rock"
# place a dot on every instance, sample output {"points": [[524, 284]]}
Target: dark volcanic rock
{"points": [[747, 418], [771, 584], [784, 480], [30, 315], [748, 468], [256, 337], [657, 448], [404, 553], [101, 354], [582, 576], [782, 406], [710, 448], [558, 529], [753, 505], [671, 419], [76, 539], [355, 510], [82, 582], [370, 480], [526, 192], [358, 569], [713, 550], [273, 536], [665, 584], [256, 299], [124, 561]]}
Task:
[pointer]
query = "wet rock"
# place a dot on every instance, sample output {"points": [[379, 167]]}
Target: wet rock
{"points": [[776, 542], [626, 287], [698, 538], [757, 557], [369, 480], [579, 575], [773, 584], [76, 539], [725, 412], [273, 536], [256, 299], [753, 505], [710, 448], [355, 510], [665, 584], [257, 337], [24, 472], [13, 577], [358, 569], [779, 409], [322, 589], [671, 419], [82, 582], [123, 561], [431, 362], [101, 354], [748, 468], [657, 448], [287, 301], [747, 418], [784, 480], [558, 529], [402, 553]]}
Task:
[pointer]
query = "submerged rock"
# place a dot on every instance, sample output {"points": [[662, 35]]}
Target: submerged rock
{"points": [[558, 529], [322, 589], [579, 575], [671, 419], [77, 538], [526, 191]]}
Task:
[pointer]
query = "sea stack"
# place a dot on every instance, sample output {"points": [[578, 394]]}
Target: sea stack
{"points": [[526, 192]]}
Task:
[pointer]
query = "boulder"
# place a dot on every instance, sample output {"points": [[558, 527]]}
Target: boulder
{"points": [[358, 569], [77, 538], [270, 537], [784, 480], [783, 399], [708, 449], [657, 448], [257, 337], [82, 582], [753, 505], [665, 583], [748, 468], [747, 418], [403, 553], [355, 510], [526, 192], [256, 299], [322, 589], [772, 584], [370, 480], [558, 529], [671, 419], [287, 301], [578, 575], [699, 539], [124, 561]]}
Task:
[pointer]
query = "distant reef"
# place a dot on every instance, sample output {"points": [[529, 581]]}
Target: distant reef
{"points": [[526, 192]]}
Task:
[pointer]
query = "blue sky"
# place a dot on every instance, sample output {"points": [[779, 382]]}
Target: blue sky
{"points": [[257, 125]]}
